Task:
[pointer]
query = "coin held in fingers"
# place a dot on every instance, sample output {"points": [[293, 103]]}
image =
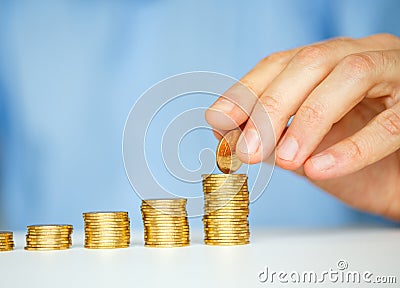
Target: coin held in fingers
{"points": [[226, 158]]}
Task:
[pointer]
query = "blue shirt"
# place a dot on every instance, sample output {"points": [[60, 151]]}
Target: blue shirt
{"points": [[71, 70]]}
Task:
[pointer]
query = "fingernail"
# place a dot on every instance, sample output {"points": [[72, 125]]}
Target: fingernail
{"points": [[288, 149], [323, 161], [223, 105], [249, 142]]}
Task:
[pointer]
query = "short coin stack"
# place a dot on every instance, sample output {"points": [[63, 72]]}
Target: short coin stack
{"points": [[107, 230], [48, 237], [165, 222], [226, 209], [6, 241]]}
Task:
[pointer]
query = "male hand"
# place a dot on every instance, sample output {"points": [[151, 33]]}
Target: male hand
{"points": [[345, 135]]}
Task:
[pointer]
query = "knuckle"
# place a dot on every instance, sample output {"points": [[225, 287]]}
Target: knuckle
{"points": [[389, 38], [250, 85], [358, 65], [277, 57], [312, 55], [342, 39], [389, 121], [356, 149], [311, 113], [271, 105]]}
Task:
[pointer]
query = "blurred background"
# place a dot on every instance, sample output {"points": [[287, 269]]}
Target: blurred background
{"points": [[70, 72]]}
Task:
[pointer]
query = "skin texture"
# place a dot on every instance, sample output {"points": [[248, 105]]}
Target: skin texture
{"points": [[344, 137]]}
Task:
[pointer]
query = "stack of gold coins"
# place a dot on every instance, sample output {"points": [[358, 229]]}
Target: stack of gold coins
{"points": [[48, 237], [165, 222], [226, 209], [107, 230], [6, 241]]}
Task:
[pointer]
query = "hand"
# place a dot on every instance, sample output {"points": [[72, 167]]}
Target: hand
{"points": [[345, 135]]}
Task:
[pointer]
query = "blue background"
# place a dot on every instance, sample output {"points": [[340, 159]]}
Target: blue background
{"points": [[71, 70]]}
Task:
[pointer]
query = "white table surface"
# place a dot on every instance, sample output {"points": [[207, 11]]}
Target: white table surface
{"points": [[371, 249]]}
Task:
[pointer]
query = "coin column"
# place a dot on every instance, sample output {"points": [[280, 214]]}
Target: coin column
{"points": [[107, 230], [6, 241], [165, 222], [226, 209], [49, 237]]}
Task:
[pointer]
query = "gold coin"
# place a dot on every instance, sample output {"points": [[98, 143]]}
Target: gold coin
{"points": [[226, 185], [225, 224], [103, 237], [166, 239], [227, 216], [168, 232], [108, 227], [211, 243], [106, 222], [163, 218], [227, 204], [45, 249], [50, 227], [166, 245], [224, 179], [225, 194], [224, 207], [222, 182], [226, 238], [173, 202], [226, 233], [105, 213], [107, 241], [227, 160], [167, 242], [236, 231], [49, 245], [222, 212], [106, 247], [49, 232], [166, 235], [226, 176], [166, 228], [172, 233]]}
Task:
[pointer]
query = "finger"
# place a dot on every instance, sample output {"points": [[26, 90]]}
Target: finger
{"points": [[218, 133], [234, 106], [291, 87], [343, 89], [287, 91], [375, 141]]}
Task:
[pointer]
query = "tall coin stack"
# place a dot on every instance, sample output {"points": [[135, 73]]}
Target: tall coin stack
{"points": [[6, 241], [226, 209], [48, 237], [165, 222], [107, 230]]}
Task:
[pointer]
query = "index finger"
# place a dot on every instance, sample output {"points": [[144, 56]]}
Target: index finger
{"points": [[234, 107]]}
